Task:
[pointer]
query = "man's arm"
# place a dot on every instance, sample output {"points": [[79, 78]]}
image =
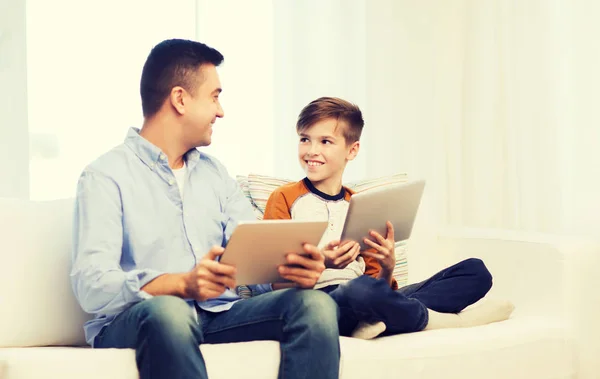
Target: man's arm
{"points": [[99, 283]]}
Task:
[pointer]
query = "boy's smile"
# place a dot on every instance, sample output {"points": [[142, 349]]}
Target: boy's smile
{"points": [[323, 154]]}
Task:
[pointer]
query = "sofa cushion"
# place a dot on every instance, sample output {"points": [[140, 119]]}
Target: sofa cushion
{"points": [[38, 306], [519, 348]]}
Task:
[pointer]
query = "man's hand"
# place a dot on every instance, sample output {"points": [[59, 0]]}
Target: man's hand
{"points": [[339, 256], [209, 278], [304, 270], [384, 251]]}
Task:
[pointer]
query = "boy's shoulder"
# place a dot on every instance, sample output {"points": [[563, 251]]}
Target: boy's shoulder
{"points": [[291, 190]]}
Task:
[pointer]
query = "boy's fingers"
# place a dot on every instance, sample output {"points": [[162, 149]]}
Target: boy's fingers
{"points": [[371, 254], [390, 232], [333, 244], [378, 237]]}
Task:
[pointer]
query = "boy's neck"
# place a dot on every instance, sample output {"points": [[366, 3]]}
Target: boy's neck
{"points": [[331, 187]]}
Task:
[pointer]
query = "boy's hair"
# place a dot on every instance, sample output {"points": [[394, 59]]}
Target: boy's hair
{"points": [[332, 107], [173, 63]]}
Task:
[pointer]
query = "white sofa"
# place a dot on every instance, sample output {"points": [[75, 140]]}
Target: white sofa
{"points": [[553, 332]]}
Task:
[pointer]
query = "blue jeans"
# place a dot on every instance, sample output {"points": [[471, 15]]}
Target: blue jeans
{"points": [[405, 310], [166, 335]]}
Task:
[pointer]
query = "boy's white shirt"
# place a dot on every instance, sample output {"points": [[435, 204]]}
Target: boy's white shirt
{"points": [[311, 207]]}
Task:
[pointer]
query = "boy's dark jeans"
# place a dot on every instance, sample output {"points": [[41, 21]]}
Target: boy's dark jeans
{"points": [[405, 310]]}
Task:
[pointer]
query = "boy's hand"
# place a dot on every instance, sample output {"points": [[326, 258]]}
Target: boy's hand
{"points": [[304, 270], [339, 256], [384, 250]]}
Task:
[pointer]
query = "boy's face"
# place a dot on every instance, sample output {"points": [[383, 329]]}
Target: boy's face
{"points": [[323, 153]]}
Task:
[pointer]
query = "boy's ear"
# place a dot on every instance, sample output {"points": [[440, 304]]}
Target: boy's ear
{"points": [[353, 151]]}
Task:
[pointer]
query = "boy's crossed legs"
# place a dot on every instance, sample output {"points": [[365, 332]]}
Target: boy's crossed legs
{"points": [[435, 303]]}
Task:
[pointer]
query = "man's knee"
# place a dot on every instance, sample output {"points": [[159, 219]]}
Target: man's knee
{"points": [[169, 317], [312, 307]]}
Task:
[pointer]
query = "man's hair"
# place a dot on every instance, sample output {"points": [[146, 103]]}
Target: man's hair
{"points": [[171, 63], [332, 107]]}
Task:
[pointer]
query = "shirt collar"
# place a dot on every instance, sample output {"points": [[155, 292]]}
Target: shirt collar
{"points": [[150, 154], [311, 187]]}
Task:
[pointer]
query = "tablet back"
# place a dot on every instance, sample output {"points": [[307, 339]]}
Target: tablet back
{"points": [[369, 210], [256, 248]]}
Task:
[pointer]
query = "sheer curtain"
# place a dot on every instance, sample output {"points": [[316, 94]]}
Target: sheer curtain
{"points": [[491, 101]]}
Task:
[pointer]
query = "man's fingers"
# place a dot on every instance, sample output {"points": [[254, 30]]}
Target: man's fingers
{"points": [[307, 262], [209, 289], [214, 252], [218, 268], [218, 279], [300, 281], [312, 251]]}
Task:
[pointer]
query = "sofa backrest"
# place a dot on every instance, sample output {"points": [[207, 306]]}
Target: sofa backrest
{"points": [[37, 305]]}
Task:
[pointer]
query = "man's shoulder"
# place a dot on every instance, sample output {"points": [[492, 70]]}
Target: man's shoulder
{"points": [[111, 162], [211, 162]]}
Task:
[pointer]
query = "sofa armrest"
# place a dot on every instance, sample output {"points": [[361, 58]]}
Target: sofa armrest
{"points": [[546, 276]]}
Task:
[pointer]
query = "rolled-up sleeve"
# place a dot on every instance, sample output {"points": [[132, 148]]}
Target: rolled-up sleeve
{"points": [[99, 283]]}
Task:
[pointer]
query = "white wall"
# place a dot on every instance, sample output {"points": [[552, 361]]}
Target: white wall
{"points": [[243, 32], [14, 149], [84, 65]]}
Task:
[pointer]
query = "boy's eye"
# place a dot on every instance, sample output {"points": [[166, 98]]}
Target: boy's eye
{"points": [[303, 139]]}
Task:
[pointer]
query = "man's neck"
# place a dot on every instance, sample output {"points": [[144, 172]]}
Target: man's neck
{"points": [[154, 130]]}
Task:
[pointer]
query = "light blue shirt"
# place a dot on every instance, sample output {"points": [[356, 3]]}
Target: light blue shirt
{"points": [[131, 225]]}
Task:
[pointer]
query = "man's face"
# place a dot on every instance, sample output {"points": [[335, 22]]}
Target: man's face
{"points": [[203, 107], [323, 152]]}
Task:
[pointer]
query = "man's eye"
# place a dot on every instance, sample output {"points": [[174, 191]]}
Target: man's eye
{"points": [[325, 142]]}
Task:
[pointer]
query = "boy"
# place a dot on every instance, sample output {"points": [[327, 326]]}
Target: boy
{"points": [[361, 282]]}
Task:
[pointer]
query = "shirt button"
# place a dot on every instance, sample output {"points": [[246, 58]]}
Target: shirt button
{"points": [[162, 157], [152, 165], [171, 181]]}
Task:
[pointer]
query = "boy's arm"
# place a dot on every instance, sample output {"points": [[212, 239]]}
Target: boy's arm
{"points": [[373, 269]]}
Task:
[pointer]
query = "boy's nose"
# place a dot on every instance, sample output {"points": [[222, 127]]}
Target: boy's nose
{"points": [[314, 149]]}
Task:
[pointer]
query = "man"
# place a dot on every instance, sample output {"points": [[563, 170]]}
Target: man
{"points": [[152, 217]]}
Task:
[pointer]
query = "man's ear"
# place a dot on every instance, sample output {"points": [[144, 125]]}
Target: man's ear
{"points": [[177, 98], [353, 151]]}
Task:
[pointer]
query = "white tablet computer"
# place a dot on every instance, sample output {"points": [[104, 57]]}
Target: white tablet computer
{"points": [[257, 248], [369, 210]]}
